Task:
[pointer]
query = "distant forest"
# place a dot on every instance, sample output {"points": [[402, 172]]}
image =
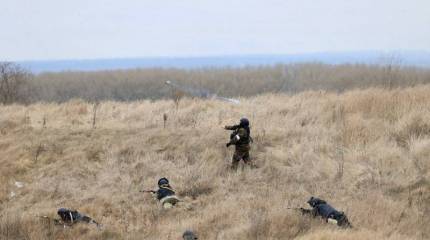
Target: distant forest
{"points": [[17, 85]]}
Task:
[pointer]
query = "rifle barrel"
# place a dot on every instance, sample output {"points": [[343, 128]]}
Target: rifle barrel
{"points": [[151, 191]]}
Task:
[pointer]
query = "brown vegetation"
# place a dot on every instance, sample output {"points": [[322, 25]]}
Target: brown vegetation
{"points": [[14, 83], [136, 84], [365, 151]]}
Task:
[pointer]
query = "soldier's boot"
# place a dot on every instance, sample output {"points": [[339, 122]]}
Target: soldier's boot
{"points": [[248, 162], [167, 205], [235, 162], [234, 166], [251, 164]]}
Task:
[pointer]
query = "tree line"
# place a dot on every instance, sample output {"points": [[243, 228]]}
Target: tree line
{"points": [[17, 85]]}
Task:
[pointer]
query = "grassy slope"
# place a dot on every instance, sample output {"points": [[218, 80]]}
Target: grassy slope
{"points": [[367, 152]]}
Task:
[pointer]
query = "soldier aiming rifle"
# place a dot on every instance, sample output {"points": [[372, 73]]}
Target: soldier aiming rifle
{"points": [[322, 209], [164, 194]]}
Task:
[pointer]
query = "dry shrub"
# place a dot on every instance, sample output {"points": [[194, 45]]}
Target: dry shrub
{"points": [[421, 154], [7, 126], [195, 187], [94, 153], [31, 228], [411, 128], [11, 228]]}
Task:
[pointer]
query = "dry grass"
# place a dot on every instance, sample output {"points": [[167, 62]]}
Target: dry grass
{"points": [[365, 151]]}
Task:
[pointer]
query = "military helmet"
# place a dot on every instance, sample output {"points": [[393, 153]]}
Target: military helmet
{"points": [[62, 211], [244, 122], [163, 181], [313, 201], [189, 235]]}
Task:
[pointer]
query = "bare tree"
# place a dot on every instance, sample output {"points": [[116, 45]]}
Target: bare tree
{"points": [[164, 120], [391, 65], [13, 83], [135, 84], [95, 107]]}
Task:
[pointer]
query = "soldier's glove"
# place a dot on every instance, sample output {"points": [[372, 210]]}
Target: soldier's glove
{"points": [[228, 144]]}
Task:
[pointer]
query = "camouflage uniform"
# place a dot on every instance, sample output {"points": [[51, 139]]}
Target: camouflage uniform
{"points": [[241, 139]]}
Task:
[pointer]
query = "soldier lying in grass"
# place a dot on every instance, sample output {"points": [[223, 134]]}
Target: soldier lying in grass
{"points": [[70, 217], [164, 194], [328, 213]]}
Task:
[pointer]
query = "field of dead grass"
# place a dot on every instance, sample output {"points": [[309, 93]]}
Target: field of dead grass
{"points": [[367, 152]]}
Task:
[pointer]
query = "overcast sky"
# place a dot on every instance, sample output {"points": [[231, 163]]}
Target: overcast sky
{"points": [[55, 29]]}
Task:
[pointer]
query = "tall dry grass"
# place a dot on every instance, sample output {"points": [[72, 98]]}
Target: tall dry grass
{"points": [[365, 151]]}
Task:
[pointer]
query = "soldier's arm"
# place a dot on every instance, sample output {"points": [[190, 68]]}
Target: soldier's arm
{"points": [[71, 217], [311, 212], [241, 134], [305, 211], [234, 127]]}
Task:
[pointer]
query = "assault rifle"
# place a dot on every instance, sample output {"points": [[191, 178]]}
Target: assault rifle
{"points": [[303, 211], [60, 222], [147, 191], [312, 213], [53, 220]]}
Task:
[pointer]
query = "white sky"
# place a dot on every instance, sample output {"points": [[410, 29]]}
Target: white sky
{"points": [[56, 29]]}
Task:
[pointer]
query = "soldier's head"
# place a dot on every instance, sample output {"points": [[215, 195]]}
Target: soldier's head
{"points": [[63, 213], [163, 182], [244, 122], [313, 201], [189, 235]]}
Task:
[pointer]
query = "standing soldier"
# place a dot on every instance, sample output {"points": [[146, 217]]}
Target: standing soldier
{"points": [[241, 138]]}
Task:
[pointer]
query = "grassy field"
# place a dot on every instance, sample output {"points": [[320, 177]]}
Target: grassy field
{"points": [[367, 152]]}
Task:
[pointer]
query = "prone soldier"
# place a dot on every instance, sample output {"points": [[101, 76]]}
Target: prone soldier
{"points": [[70, 217], [165, 194], [328, 213]]}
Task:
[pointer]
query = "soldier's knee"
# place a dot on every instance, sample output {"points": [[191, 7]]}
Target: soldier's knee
{"points": [[234, 165], [236, 158]]}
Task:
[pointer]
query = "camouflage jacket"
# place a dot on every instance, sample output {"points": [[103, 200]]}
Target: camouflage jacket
{"points": [[240, 136]]}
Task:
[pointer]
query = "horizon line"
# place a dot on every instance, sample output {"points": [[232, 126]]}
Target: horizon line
{"points": [[398, 51]]}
